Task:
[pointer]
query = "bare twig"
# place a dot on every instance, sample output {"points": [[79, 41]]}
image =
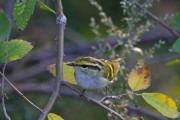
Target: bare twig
{"points": [[113, 97], [2, 88], [2, 92], [95, 101], [171, 30], [20, 93], [61, 21]]}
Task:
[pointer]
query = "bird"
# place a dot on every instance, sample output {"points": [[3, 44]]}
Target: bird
{"points": [[92, 73]]}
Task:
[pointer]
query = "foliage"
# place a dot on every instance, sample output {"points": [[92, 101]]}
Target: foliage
{"points": [[175, 20], [176, 24], [162, 103], [53, 116], [45, 7], [22, 12], [139, 77], [13, 50], [176, 45], [5, 27]]}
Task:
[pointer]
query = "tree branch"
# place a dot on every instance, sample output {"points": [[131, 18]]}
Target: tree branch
{"points": [[172, 31], [94, 101], [61, 21], [46, 88]]}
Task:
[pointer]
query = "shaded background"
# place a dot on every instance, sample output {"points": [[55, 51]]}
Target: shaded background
{"points": [[31, 77]]}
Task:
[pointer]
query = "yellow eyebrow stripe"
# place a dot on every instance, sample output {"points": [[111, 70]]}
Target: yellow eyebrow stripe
{"points": [[110, 68], [89, 61]]}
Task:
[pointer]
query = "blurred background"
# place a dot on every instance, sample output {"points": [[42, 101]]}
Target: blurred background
{"points": [[30, 76]]}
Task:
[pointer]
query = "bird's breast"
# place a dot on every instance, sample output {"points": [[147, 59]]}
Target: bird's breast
{"points": [[90, 82]]}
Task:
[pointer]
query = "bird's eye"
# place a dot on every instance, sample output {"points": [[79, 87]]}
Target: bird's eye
{"points": [[83, 66]]}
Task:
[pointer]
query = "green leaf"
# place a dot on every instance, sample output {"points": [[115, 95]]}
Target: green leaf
{"points": [[5, 27], [22, 12], [162, 103], [176, 45], [174, 62], [16, 49], [45, 7], [176, 20], [133, 118], [53, 116]]}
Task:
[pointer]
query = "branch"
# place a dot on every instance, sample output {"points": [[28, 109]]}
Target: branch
{"points": [[2, 92], [94, 101], [172, 31], [20, 93], [46, 88], [61, 21], [113, 97]]}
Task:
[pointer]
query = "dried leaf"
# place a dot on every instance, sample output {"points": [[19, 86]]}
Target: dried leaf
{"points": [[139, 78]]}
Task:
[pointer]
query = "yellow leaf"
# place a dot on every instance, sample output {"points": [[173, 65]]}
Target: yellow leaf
{"points": [[162, 103], [133, 118], [139, 78], [53, 116], [68, 72]]}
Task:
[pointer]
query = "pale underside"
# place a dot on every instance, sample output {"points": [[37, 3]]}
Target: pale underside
{"points": [[91, 82]]}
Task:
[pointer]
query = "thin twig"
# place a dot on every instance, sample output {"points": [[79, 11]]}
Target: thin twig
{"points": [[2, 92], [2, 88], [20, 93], [118, 97], [94, 101], [171, 30], [59, 60]]}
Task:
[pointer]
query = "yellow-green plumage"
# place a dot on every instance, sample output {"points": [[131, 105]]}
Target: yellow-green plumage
{"points": [[93, 73]]}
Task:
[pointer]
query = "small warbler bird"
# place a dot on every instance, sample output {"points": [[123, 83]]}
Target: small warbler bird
{"points": [[92, 73]]}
